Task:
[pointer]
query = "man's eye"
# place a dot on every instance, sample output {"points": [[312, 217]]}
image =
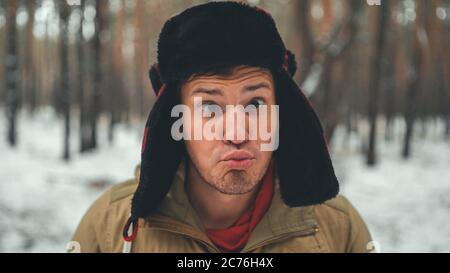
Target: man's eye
{"points": [[258, 102], [209, 106]]}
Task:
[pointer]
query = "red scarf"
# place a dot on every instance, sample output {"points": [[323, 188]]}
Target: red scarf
{"points": [[234, 238]]}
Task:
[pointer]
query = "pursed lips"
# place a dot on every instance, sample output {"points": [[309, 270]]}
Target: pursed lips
{"points": [[238, 159]]}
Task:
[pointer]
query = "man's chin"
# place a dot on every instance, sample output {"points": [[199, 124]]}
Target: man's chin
{"points": [[235, 182], [228, 191]]}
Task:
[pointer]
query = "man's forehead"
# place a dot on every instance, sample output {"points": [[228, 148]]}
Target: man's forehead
{"points": [[239, 75]]}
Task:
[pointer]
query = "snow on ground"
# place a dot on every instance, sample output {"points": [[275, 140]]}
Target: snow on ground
{"points": [[406, 204], [42, 198]]}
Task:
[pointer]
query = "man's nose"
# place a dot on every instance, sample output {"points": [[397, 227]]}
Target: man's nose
{"points": [[236, 132], [235, 142]]}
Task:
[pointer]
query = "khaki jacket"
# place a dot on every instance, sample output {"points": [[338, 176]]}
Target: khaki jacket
{"points": [[334, 226]]}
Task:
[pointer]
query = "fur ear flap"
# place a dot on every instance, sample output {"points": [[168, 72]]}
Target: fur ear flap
{"points": [[160, 157], [155, 78], [304, 165], [291, 63]]}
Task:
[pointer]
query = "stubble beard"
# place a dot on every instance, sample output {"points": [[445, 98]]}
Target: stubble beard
{"points": [[234, 182]]}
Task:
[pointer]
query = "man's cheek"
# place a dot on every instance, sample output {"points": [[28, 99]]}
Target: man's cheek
{"points": [[201, 150]]}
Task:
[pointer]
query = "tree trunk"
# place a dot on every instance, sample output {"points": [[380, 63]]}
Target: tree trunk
{"points": [[375, 79], [30, 68], [12, 72], [414, 85], [64, 80], [100, 23], [447, 127], [118, 101], [84, 131], [306, 39]]}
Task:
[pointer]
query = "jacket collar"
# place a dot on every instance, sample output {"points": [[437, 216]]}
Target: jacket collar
{"points": [[177, 215]]}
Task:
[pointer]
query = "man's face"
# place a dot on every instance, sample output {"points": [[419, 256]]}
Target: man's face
{"points": [[232, 165]]}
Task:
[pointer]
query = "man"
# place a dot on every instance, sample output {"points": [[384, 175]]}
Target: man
{"points": [[226, 194]]}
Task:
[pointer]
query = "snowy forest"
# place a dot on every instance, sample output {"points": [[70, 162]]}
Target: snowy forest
{"points": [[75, 94]]}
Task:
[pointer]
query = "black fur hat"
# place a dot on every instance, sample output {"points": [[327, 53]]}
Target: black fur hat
{"points": [[216, 36]]}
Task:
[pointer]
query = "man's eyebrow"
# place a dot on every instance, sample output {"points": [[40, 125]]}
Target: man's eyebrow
{"points": [[257, 86], [217, 91], [213, 91]]}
